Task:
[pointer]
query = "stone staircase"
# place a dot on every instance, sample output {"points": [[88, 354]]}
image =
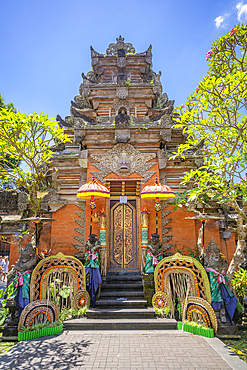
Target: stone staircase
{"points": [[121, 306]]}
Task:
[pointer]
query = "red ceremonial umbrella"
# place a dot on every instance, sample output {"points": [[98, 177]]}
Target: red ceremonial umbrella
{"points": [[157, 191], [92, 190]]}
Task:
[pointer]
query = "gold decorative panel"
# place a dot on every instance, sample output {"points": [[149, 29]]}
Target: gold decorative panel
{"points": [[123, 236]]}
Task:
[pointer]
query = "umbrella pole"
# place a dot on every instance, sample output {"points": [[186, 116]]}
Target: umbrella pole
{"points": [[203, 225], [36, 239], [156, 222], [91, 222]]}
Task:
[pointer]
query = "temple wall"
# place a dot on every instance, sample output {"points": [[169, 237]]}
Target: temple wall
{"points": [[62, 232]]}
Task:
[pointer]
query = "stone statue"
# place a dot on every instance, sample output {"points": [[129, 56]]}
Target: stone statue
{"points": [[222, 298], [22, 272], [92, 265], [154, 254]]}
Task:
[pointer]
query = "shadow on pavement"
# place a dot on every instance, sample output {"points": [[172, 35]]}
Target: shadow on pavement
{"points": [[44, 353]]}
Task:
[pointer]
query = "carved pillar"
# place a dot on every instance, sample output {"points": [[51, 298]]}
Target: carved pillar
{"points": [[103, 246], [144, 228]]}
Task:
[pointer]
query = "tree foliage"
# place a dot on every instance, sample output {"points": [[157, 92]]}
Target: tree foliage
{"points": [[27, 139], [215, 116]]}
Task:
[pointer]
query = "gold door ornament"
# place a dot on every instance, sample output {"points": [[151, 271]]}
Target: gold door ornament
{"points": [[123, 236]]}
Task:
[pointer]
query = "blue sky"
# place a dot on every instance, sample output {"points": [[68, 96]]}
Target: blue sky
{"points": [[45, 45]]}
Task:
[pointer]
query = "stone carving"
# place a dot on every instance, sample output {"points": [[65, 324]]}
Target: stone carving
{"points": [[27, 259], [148, 53], [52, 201], [90, 78], [121, 61], [163, 178], [81, 223], [223, 300], [123, 159], [8, 200], [122, 120], [214, 259], [80, 102], [157, 89], [149, 76], [82, 178], [84, 90], [76, 112], [199, 161], [166, 134], [94, 56], [162, 101], [120, 44], [122, 104], [22, 201], [162, 158], [122, 92], [79, 135], [164, 222], [62, 123], [154, 254], [122, 136]]}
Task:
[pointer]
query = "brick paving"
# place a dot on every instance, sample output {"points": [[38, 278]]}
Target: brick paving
{"points": [[162, 349]]}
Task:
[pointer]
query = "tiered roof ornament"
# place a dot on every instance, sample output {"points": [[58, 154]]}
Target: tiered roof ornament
{"points": [[120, 88], [120, 48]]}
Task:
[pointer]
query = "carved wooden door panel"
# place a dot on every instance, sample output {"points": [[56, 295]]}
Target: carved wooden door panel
{"points": [[123, 251]]}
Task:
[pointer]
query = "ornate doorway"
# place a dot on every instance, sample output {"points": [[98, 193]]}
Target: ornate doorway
{"points": [[123, 235]]}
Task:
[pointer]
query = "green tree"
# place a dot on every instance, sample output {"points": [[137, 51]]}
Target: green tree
{"points": [[27, 139], [9, 106], [215, 117], [7, 160]]}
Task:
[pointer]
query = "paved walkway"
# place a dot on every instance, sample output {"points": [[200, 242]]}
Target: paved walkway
{"points": [[162, 349]]}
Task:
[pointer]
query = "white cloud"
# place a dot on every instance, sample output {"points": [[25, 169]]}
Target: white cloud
{"points": [[219, 20], [242, 10]]}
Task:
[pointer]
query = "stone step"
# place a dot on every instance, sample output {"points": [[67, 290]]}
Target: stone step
{"points": [[121, 293], [120, 324], [123, 286], [114, 303], [121, 313], [123, 273], [122, 279]]}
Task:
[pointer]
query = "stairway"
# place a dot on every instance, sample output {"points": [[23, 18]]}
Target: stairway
{"points": [[121, 306]]}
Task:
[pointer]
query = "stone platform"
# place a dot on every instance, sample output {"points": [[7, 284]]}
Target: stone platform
{"points": [[120, 324]]}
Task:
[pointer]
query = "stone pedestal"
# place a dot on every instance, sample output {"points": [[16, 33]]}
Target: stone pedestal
{"points": [[148, 287], [226, 330]]}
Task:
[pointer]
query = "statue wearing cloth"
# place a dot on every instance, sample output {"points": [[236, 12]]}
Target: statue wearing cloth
{"points": [[23, 270], [92, 265], [154, 254], [222, 298]]}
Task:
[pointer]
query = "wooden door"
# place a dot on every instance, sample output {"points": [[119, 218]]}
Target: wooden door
{"points": [[123, 236]]}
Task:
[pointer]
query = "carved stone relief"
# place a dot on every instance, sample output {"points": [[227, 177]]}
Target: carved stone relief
{"points": [[81, 222], [166, 134], [121, 62], [123, 160], [122, 136], [8, 200], [165, 221], [122, 92], [83, 158], [79, 135], [163, 177], [82, 178], [22, 201], [120, 44], [122, 103], [162, 158], [52, 201]]}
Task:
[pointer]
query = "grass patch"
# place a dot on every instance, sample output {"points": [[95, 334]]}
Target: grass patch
{"points": [[239, 346]]}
